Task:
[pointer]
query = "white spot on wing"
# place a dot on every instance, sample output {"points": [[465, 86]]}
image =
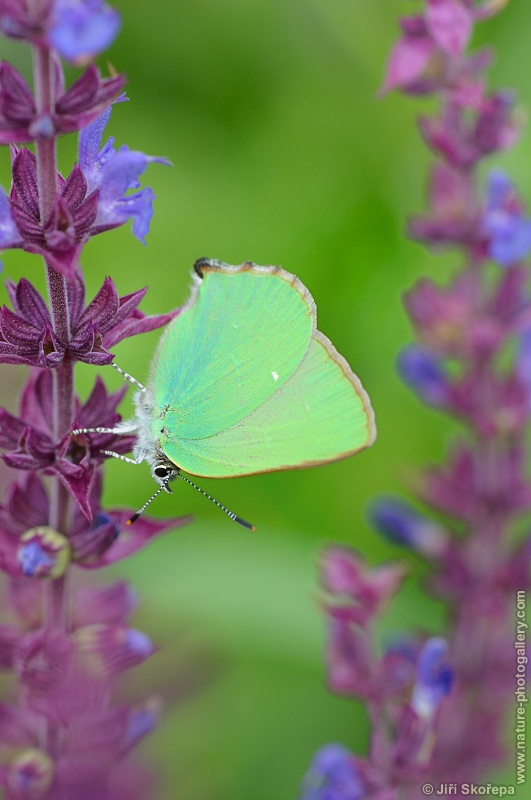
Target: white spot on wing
{"points": [[275, 376]]}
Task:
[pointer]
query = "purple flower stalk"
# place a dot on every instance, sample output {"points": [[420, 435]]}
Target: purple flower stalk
{"points": [[438, 706], [63, 735]]}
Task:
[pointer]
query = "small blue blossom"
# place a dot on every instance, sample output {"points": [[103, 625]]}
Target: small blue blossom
{"points": [[33, 559], [141, 721], [332, 776], [137, 643], [113, 173], [114, 208], [81, 29], [9, 235], [402, 524], [425, 374], [43, 553], [508, 230], [434, 677]]}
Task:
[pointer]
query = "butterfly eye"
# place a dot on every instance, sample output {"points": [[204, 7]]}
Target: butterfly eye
{"points": [[161, 472]]}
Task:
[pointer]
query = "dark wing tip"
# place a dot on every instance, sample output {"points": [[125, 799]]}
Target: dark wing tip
{"points": [[200, 263]]}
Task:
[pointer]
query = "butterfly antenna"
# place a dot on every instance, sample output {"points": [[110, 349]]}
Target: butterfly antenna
{"points": [[230, 514], [129, 378], [141, 510]]}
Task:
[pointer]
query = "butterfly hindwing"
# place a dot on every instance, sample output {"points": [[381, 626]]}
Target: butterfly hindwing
{"points": [[319, 415]]}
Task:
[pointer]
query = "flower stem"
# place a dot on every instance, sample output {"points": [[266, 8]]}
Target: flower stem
{"points": [[43, 70], [56, 591]]}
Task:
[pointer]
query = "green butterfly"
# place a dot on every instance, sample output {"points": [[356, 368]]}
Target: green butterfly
{"points": [[243, 383]]}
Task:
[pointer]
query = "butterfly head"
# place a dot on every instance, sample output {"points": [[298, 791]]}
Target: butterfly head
{"points": [[163, 472]]}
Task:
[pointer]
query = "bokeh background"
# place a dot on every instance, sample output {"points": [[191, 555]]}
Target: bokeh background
{"points": [[282, 154]]}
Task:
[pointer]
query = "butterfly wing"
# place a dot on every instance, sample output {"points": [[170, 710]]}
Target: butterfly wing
{"points": [[320, 414], [243, 334]]}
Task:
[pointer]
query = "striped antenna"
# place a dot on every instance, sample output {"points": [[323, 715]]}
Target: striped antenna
{"points": [[127, 377], [234, 517], [141, 510]]}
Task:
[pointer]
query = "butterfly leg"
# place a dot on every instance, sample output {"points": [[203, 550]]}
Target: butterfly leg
{"points": [[119, 456], [120, 429]]}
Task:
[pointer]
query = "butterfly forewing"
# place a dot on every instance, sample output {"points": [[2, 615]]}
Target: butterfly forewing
{"points": [[241, 338]]}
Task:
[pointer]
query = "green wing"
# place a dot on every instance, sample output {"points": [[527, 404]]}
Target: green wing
{"points": [[320, 414], [244, 333]]}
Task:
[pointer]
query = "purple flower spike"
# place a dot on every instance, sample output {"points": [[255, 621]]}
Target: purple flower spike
{"points": [[81, 29], [434, 677], [66, 737], [333, 775], [508, 231], [401, 523], [424, 374]]}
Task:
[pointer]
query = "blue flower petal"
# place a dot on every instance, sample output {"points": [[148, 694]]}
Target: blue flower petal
{"points": [[9, 235], [120, 173], [91, 158], [81, 29], [113, 173], [434, 677], [423, 373], [508, 231], [333, 775], [115, 207], [510, 239], [33, 559], [499, 188], [396, 520]]}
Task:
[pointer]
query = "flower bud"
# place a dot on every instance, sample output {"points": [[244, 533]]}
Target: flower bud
{"points": [[109, 649], [141, 720], [402, 524], [424, 373]]}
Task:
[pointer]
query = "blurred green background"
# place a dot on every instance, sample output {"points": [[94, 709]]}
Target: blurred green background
{"points": [[282, 154]]}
